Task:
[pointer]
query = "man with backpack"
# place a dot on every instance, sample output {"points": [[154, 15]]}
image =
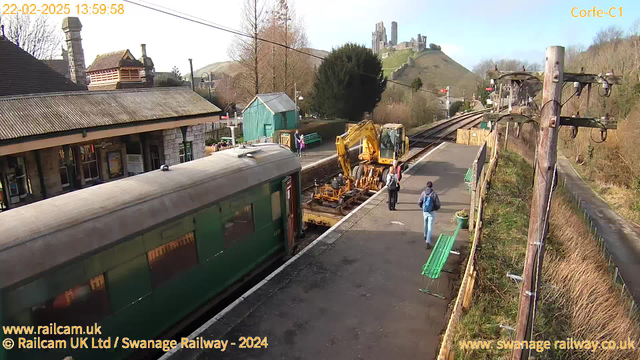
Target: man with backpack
{"points": [[393, 187], [430, 203]]}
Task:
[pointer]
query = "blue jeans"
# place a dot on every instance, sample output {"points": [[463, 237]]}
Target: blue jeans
{"points": [[428, 224]]}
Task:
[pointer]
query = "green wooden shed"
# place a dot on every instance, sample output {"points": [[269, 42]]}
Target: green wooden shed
{"points": [[267, 113]]}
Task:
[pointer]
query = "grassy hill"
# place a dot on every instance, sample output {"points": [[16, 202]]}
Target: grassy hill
{"points": [[435, 68], [232, 68], [316, 52]]}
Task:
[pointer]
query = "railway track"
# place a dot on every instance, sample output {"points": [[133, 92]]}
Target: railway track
{"points": [[419, 144], [430, 138]]}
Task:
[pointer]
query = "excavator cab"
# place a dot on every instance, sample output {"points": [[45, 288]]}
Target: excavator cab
{"points": [[393, 143]]}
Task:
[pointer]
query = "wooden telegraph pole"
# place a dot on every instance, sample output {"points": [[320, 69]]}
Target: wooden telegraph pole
{"points": [[546, 161]]}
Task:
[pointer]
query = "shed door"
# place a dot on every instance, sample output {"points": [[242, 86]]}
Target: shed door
{"points": [[268, 130]]}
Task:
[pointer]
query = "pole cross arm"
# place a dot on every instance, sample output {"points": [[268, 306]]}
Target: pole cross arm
{"points": [[589, 122], [504, 76], [592, 78]]}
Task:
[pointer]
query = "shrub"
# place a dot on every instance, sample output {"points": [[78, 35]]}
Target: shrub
{"points": [[455, 107]]}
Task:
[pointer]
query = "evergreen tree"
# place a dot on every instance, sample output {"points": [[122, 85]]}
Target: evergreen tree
{"points": [[349, 83]]}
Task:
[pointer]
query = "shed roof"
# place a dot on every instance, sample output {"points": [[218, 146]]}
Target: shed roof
{"points": [[113, 60], [21, 73], [275, 102], [32, 115]]}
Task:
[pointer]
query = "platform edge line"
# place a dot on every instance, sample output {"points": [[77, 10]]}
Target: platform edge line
{"points": [[230, 307]]}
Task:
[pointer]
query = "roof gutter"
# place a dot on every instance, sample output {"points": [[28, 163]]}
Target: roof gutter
{"points": [[29, 143]]}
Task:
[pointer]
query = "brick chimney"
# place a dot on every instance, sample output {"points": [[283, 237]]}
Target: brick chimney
{"points": [[71, 27], [148, 73]]}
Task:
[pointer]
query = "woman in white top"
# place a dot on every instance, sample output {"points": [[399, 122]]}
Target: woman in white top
{"points": [[392, 187]]}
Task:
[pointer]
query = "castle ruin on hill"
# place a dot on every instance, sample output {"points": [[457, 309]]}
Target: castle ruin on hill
{"points": [[379, 40]]}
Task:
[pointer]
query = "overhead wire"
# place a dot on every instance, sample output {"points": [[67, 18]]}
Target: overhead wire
{"points": [[200, 21]]}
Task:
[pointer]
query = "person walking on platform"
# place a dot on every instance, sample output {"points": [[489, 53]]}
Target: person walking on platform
{"points": [[392, 186], [430, 203]]}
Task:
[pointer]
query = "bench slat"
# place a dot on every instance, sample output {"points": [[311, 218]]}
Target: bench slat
{"points": [[311, 138]]}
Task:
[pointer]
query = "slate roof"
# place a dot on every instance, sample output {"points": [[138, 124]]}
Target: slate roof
{"points": [[33, 115], [275, 102], [113, 60], [21, 73]]}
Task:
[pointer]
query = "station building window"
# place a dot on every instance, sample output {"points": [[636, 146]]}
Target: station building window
{"points": [[154, 152], [89, 162], [17, 180], [171, 259], [65, 177], [238, 226], [81, 305], [186, 154]]}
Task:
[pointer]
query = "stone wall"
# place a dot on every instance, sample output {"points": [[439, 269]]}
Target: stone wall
{"points": [[173, 142]]}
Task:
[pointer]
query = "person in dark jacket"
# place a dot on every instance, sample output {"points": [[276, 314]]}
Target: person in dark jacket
{"points": [[392, 187], [429, 203]]}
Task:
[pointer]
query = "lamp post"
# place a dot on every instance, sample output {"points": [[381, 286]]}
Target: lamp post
{"points": [[297, 97]]}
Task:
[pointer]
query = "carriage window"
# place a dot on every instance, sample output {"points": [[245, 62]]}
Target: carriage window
{"points": [[238, 226], [81, 305], [169, 260], [276, 206]]}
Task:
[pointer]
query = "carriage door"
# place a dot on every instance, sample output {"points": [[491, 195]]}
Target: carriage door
{"points": [[290, 211]]}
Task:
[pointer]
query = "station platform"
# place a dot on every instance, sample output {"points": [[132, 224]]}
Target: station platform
{"points": [[317, 152], [354, 292]]}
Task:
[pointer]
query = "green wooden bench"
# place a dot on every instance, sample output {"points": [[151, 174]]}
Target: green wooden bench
{"points": [[468, 177], [435, 264], [312, 138]]}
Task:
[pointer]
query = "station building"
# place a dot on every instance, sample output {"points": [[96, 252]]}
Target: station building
{"points": [[56, 136]]}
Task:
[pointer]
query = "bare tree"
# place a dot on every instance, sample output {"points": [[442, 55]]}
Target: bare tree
{"points": [[571, 55], [286, 66], [483, 66], [634, 29], [246, 51], [612, 33], [36, 35]]}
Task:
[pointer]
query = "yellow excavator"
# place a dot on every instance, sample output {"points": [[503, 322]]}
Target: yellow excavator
{"points": [[379, 150]]}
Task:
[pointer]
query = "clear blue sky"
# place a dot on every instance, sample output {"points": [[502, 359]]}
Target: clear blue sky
{"points": [[467, 30]]}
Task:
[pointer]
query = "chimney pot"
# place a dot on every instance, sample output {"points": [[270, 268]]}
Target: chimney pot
{"points": [[144, 50]]}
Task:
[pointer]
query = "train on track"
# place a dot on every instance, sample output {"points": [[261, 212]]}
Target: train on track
{"points": [[140, 256]]}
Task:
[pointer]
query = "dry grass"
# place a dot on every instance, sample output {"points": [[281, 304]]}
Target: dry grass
{"points": [[582, 288], [578, 300]]}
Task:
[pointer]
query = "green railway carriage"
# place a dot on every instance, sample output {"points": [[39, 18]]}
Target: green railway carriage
{"points": [[139, 255]]}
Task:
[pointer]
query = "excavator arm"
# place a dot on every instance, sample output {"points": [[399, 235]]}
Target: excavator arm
{"points": [[371, 147]]}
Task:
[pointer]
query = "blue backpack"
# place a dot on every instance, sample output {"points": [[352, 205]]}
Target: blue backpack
{"points": [[427, 204]]}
